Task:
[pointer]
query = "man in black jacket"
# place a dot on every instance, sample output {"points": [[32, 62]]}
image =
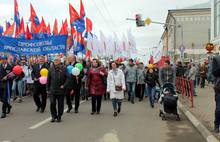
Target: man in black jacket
{"points": [[56, 80], [73, 85], [216, 73], [5, 86], [39, 89]]}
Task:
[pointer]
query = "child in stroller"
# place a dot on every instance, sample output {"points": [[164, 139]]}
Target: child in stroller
{"points": [[168, 100]]}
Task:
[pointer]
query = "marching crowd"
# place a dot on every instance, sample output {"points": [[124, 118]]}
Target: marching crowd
{"points": [[94, 80]]}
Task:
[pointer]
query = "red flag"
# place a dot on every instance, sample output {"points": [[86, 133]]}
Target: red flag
{"points": [[82, 10], [10, 30], [28, 34], [88, 53], [42, 28], [73, 14], [55, 27], [33, 17], [34, 29], [151, 61], [64, 28], [48, 29], [22, 28], [88, 25], [7, 25]]}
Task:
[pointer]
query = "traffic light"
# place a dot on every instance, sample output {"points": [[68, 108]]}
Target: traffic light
{"points": [[139, 21]]}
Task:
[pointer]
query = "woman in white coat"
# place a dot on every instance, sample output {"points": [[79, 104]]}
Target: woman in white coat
{"points": [[116, 87]]}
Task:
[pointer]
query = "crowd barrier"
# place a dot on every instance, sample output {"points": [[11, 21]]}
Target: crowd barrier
{"points": [[186, 88]]}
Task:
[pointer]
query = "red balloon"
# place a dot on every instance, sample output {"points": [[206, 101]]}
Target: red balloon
{"points": [[17, 70], [61, 55], [137, 62], [120, 59]]}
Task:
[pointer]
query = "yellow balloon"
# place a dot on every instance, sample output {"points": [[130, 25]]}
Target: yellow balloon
{"points": [[150, 66], [44, 72]]}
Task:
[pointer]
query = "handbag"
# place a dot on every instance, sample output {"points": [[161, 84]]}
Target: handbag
{"points": [[117, 87]]}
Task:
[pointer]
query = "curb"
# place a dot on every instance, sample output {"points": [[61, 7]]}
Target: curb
{"points": [[198, 125]]}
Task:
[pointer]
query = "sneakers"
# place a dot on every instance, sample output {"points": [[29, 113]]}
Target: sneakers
{"points": [[52, 120], [59, 119]]}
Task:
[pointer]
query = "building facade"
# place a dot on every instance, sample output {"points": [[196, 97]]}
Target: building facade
{"points": [[190, 28], [215, 24]]}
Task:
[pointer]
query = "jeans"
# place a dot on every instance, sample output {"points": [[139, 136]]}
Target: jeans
{"points": [[116, 103], [217, 109], [145, 91], [20, 85], [151, 93], [131, 90]]}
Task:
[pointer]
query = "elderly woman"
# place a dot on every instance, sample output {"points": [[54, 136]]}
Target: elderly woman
{"points": [[96, 85], [116, 87]]}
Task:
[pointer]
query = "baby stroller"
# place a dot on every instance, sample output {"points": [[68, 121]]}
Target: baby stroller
{"points": [[168, 100]]}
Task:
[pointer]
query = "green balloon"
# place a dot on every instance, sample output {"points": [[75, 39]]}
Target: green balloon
{"points": [[79, 66]]}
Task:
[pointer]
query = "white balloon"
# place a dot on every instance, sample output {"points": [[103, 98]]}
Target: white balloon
{"points": [[75, 71]]}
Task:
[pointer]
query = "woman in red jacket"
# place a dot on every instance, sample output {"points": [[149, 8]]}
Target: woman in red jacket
{"points": [[96, 84]]}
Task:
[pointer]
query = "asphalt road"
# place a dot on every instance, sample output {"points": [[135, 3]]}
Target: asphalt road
{"points": [[136, 123]]}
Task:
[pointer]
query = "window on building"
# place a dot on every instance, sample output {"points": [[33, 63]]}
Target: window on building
{"points": [[217, 18]]}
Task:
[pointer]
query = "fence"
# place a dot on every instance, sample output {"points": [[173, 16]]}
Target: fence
{"points": [[186, 88]]}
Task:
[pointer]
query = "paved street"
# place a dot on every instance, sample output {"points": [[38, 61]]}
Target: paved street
{"points": [[136, 123]]}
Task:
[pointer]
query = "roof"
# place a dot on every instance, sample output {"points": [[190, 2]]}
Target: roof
{"points": [[199, 6]]}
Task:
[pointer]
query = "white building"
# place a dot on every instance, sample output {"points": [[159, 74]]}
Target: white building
{"points": [[215, 24], [189, 27]]}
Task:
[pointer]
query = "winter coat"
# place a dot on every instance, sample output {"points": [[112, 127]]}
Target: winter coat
{"points": [[4, 72], [192, 73], [216, 73], [116, 79], [56, 78], [203, 71], [180, 71], [151, 79], [131, 73], [95, 81], [140, 76]]}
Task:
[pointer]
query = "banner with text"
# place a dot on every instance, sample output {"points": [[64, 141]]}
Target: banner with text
{"points": [[55, 44]]}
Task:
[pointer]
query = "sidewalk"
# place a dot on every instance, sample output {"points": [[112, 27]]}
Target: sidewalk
{"points": [[204, 107]]}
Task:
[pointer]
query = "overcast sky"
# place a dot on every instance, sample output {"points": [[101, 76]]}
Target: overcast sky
{"points": [[107, 15]]}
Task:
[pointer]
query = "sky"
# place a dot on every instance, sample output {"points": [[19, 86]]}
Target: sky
{"points": [[108, 16]]}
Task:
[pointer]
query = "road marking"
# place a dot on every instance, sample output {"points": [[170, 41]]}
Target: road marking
{"points": [[6, 141], [110, 137], [48, 119]]}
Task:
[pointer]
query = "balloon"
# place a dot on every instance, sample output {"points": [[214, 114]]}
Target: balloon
{"points": [[44, 72], [43, 80], [120, 59], [69, 69], [17, 70], [75, 71], [51, 58], [61, 55], [79, 66]]}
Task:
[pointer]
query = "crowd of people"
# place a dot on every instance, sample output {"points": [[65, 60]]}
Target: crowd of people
{"points": [[114, 81]]}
